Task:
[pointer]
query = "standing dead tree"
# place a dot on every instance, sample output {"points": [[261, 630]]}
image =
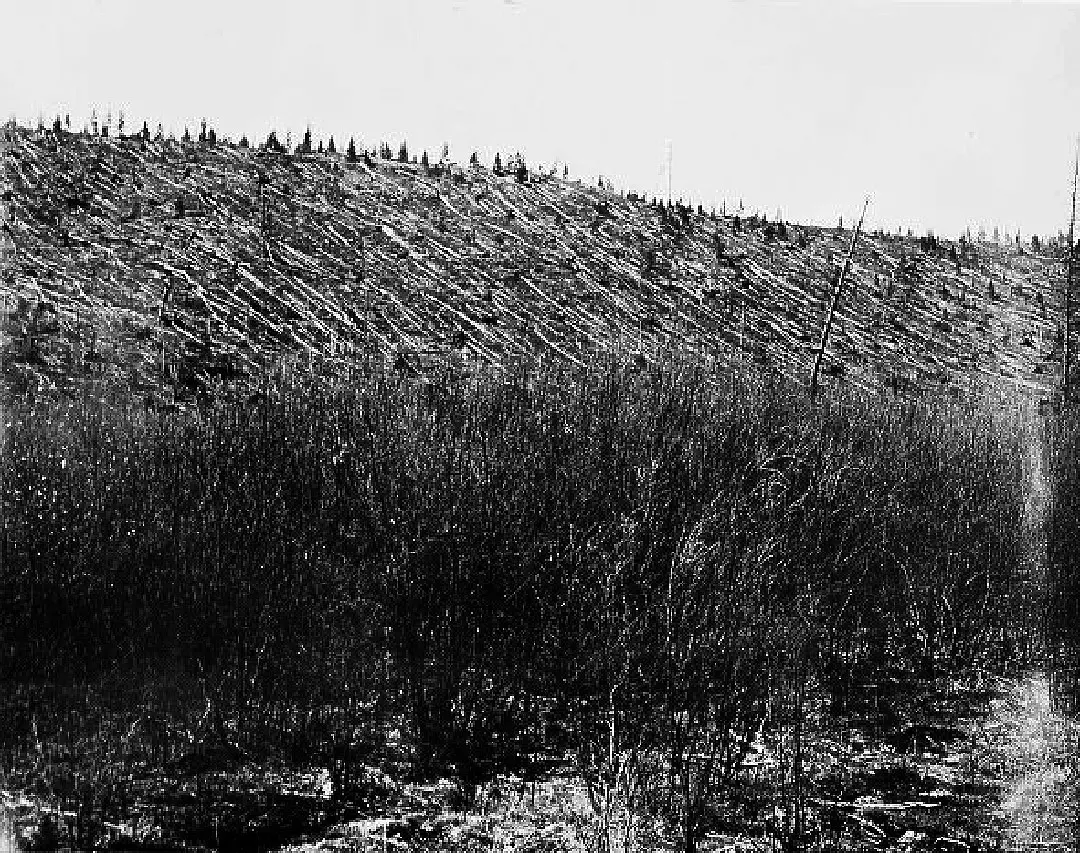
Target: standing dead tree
{"points": [[1066, 353], [827, 327]]}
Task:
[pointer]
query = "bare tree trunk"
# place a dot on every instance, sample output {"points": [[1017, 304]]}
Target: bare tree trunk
{"points": [[825, 329], [1066, 366]]}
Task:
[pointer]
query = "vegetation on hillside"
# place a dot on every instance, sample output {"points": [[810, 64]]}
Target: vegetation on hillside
{"points": [[181, 264], [642, 568], [496, 476]]}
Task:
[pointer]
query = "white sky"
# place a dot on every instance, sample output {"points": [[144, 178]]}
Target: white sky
{"points": [[945, 114]]}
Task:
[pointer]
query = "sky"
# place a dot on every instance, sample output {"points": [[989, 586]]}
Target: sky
{"points": [[947, 115]]}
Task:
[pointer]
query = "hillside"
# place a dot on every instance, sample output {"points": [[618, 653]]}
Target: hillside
{"points": [[134, 257], [615, 607]]}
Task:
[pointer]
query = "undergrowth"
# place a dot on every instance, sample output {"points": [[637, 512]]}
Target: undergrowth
{"points": [[637, 566]]}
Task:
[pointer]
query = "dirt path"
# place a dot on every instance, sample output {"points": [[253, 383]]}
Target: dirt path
{"points": [[7, 830], [1030, 746], [1031, 749]]}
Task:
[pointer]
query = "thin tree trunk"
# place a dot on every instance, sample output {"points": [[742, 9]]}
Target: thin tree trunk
{"points": [[1066, 367], [827, 326]]}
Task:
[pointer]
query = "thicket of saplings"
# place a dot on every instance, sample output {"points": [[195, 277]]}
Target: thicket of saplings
{"points": [[639, 568]]}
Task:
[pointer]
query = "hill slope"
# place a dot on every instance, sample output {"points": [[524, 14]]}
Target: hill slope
{"points": [[146, 259]]}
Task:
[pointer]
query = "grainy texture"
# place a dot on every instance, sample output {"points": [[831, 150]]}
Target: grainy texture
{"points": [[369, 504]]}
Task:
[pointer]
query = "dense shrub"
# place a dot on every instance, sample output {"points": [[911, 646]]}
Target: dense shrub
{"points": [[645, 554]]}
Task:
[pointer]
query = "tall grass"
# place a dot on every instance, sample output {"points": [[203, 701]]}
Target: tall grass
{"points": [[617, 561]]}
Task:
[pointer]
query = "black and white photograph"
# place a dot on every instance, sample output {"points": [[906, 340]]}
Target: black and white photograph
{"points": [[540, 426]]}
